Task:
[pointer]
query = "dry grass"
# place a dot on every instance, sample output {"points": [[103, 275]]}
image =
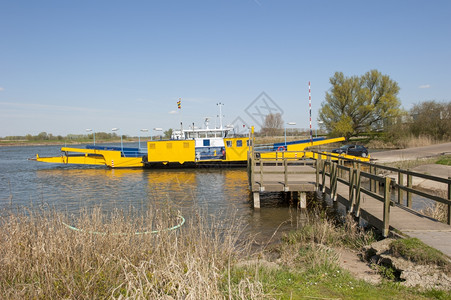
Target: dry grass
{"points": [[408, 141], [42, 258], [322, 232], [438, 211], [326, 231]]}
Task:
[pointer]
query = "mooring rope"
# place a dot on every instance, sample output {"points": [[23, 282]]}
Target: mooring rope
{"points": [[136, 233]]}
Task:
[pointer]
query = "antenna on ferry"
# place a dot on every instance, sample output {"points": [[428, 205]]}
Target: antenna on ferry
{"points": [[220, 113]]}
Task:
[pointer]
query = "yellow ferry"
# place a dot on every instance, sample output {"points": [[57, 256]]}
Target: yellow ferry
{"points": [[193, 147]]}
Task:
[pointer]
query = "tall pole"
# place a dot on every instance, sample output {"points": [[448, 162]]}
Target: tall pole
{"points": [[220, 114], [310, 108], [285, 135]]}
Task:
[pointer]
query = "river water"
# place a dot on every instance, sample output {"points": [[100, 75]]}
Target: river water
{"points": [[71, 188]]}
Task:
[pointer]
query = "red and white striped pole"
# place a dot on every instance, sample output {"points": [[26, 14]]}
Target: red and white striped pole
{"points": [[310, 108]]}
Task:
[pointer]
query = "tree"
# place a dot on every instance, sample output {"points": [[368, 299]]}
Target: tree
{"points": [[359, 104], [168, 133], [43, 136], [273, 124], [431, 118]]}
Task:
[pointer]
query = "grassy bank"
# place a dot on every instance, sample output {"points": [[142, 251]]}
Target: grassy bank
{"points": [[40, 257]]}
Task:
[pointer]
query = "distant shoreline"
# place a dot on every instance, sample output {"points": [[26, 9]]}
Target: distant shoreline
{"points": [[5, 143]]}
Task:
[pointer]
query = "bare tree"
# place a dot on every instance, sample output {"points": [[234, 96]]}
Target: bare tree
{"points": [[273, 124], [432, 118]]}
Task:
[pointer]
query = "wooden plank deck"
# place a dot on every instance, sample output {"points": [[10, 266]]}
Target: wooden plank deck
{"points": [[297, 176], [407, 221], [282, 176], [273, 179]]}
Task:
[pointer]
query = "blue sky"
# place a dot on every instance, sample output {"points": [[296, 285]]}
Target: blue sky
{"points": [[70, 65]]}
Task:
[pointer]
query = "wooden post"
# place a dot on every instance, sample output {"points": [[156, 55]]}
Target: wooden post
{"points": [[302, 200], [256, 197], [385, 231], [449, 205], [252, 175], [351, 189], [323, 175], [371, 180], [342, 163], [409, 194], [357, 192], [318, 166], [376, 183], [261, 172], [400, 183], [336, 183], [285, 175], [331, 179], [334, 180]]}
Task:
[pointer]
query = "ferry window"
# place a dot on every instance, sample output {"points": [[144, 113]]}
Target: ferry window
{"points": [[152, 146], [185, 145], [239, 143], [248, 143], [206, 142], [229, 144]]}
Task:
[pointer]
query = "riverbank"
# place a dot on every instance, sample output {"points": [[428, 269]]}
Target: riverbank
{"points": [[43, 257]]}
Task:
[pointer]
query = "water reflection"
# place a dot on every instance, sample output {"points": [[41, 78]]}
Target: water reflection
{"points": [[217, 192]]}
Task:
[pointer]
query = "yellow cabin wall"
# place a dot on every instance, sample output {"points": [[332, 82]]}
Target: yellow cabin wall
{"points": [[171, 151], [235, 153]]}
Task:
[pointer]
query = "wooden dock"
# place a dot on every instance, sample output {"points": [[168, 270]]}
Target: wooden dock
{"points": [[362, 190], [290, 175], [386, 203]]}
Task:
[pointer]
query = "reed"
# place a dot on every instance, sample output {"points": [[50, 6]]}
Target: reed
{"points": [[437, 210], [323, 232], [403, 142], [40, 257]]}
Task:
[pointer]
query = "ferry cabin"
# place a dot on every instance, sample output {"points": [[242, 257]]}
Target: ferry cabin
{"points": [[199, 147]]}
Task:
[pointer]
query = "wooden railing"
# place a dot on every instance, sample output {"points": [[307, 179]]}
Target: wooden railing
{"points": [[283, 159], [353, 172]]}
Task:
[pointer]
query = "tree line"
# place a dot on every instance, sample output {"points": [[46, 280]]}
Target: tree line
{"points": [[44, 136]]}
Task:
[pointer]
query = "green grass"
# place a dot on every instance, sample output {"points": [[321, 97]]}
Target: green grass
{"points": [[444, 160], [415, 250], [326, 281]]}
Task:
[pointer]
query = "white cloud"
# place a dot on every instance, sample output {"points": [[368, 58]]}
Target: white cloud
{"points": [[2, 89], [172, 112], [424, 86]]}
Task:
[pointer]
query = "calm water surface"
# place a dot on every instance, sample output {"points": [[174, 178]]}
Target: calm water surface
{"points": [[70, 188]]}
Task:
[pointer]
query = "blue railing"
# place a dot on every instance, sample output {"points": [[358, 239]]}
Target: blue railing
{"points": [[126, 152]]}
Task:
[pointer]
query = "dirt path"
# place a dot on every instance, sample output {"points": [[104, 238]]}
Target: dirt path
{"points": [[350, 261]]}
